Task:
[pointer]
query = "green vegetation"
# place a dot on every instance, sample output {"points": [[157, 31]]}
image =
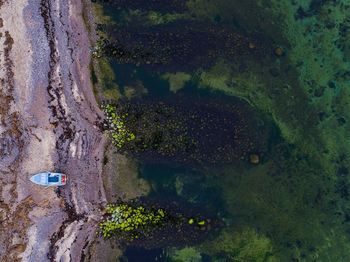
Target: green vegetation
{"points": [[293, 205], [149, 225], [301, 199], [187, 254], [197, 132], [126, 218], [149, 18], [245, 245], [176, 80], [119, 133]]}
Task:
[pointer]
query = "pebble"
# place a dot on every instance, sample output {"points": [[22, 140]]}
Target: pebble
{"points": [[279, 51], [254, 159]]}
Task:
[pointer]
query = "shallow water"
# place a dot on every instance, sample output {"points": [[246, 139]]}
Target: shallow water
{"points": [[288, 63]]}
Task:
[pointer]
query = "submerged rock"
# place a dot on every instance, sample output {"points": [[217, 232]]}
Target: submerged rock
{"points": [[254, 159]]}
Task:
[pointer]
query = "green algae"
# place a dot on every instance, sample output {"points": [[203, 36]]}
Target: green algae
{"points": [[150, 18], [317, 60], [318, 53], [155, 18], [118, 129], [107, 79], [144, 224], [121, 177], [293, 207], [102, 15], [293, 101], [187, 254], [277, 98], [104, 77], [208, 133], [126, 218], [305, 46], [243, 245], [176, 80]]}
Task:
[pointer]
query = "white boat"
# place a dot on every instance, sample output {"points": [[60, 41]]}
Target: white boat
{"points": [[49, 179]]}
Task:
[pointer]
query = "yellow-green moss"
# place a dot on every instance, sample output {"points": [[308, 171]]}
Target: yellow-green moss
{"points": [[124, 217], [119, 133]]}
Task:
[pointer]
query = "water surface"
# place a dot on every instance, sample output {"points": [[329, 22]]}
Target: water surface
{"points": [[285, 198]]}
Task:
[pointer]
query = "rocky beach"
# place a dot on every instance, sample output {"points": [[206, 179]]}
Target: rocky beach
{"points": [[49, 122]]}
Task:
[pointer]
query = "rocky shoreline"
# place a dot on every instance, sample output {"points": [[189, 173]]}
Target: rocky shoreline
{"points": [[49, 121]]}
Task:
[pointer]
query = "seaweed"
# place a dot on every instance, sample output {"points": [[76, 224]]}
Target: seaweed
{"points": [[294, 205], [152, 224], [184, 44], [172, 6], [201, 132]]}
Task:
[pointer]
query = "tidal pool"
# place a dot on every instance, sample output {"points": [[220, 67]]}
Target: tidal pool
{"points": [[240, 110]]}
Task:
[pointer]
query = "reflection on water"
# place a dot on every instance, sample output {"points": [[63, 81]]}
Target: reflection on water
{"points": [[285, 195]]}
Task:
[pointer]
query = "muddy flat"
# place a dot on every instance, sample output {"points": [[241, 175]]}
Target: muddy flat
{"points": [[49, 122]]}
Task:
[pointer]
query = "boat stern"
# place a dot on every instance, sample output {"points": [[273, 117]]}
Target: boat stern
{"points": [[63, 179]]}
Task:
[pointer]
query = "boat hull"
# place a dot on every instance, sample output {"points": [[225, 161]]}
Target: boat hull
{"points": [[49, 179]]}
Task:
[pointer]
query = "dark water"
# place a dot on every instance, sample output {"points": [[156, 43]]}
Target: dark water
{"points": [[135, 255], [285, 61]]}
